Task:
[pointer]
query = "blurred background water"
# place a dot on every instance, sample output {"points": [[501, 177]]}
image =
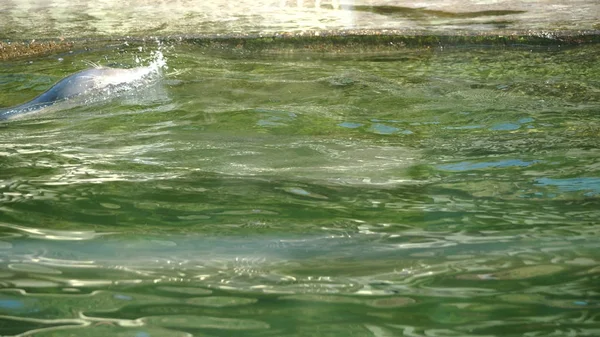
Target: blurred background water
{"points": [[320, 190]]}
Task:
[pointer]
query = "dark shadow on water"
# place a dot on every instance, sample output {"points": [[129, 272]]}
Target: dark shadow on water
{"points": [[419, 13]]}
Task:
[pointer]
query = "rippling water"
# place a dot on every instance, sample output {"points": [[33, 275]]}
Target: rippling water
{"points": [[424, 192]]}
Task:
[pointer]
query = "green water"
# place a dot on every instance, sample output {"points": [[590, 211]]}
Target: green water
{"points": [[421, 192]]}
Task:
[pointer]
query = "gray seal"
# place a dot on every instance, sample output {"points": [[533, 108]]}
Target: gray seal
{"points": [[95, 81]]}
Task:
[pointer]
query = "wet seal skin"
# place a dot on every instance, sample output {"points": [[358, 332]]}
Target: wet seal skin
{"points": [[94, 81]]}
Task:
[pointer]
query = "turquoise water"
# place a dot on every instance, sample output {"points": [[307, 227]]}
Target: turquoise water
{"points": [[421, 192]]}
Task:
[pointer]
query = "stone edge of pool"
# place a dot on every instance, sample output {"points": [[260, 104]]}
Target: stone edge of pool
{"points": [[331, 41]]}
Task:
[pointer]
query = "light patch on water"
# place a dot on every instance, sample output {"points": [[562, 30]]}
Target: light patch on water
{"points": [[384, 129], [505, 127], [589, 184], [302, 192], [467, 166], [350, 125], [32, 268], [53, 234], [508, 126]]}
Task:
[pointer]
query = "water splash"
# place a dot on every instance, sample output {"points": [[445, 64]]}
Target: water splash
{"points": [[96, 84]]}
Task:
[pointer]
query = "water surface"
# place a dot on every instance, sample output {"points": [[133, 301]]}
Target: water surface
{"points": [[422, 192]]}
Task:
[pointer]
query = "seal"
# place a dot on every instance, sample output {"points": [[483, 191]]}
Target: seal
{"points": [[97, 82]]}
